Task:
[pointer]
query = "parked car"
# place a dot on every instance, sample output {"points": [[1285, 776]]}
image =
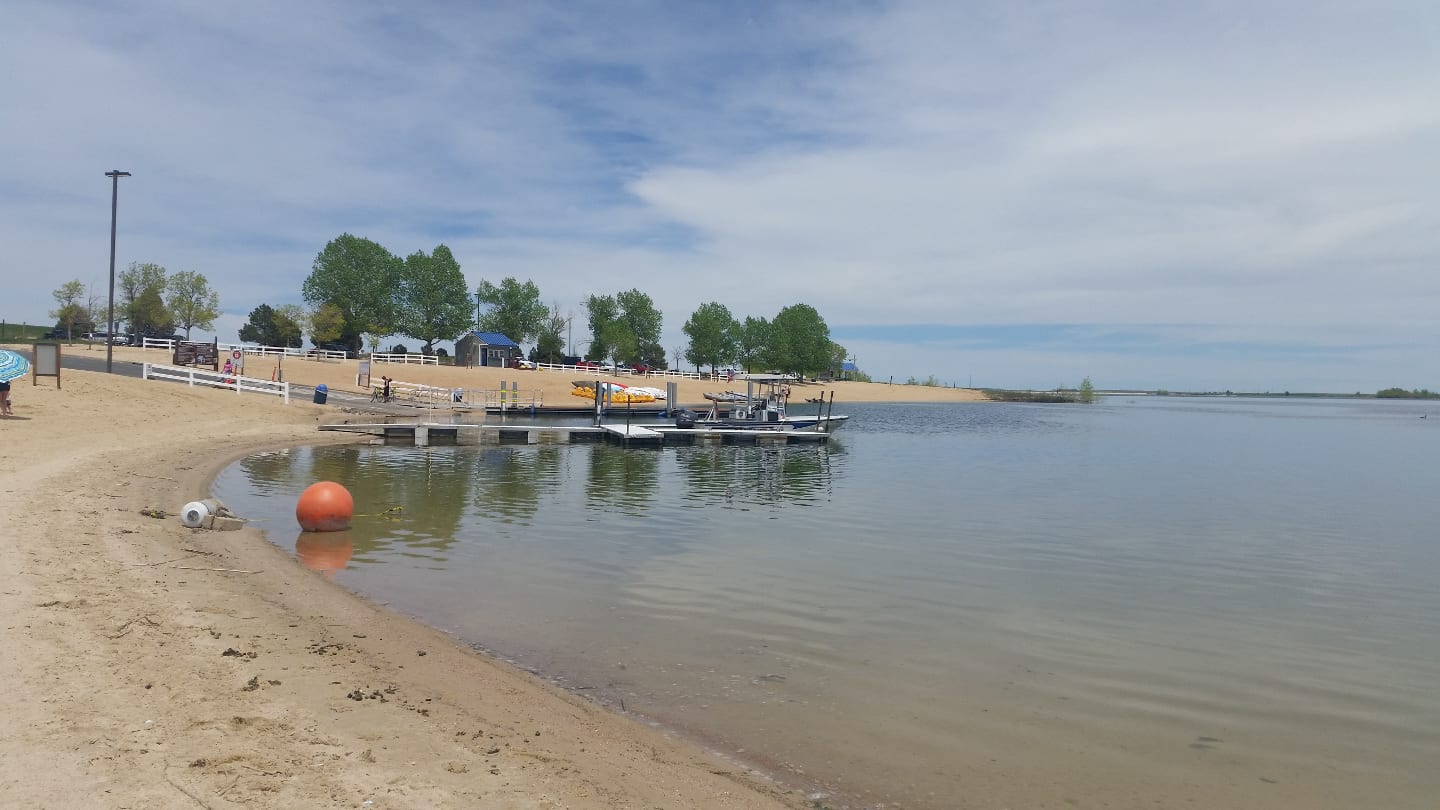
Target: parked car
{"points": [[334, 347], [522, 363], [641, 368]]}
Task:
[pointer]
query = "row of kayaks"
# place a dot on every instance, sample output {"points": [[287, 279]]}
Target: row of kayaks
{"points": [[616, 393]]}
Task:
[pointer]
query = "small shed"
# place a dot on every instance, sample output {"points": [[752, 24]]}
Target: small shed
{"points": [[485, 349]]}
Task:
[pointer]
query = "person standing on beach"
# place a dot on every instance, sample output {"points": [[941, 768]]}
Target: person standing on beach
{"points": [[5, 409]]}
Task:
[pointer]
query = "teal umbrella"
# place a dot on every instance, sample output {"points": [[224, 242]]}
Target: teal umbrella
{"points": [[13, 365]]}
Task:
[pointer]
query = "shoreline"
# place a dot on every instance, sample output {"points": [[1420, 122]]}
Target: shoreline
{"points": [[157, 665]]}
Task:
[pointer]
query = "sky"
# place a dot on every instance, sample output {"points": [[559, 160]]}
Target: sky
{"points": [[1194, 196]]}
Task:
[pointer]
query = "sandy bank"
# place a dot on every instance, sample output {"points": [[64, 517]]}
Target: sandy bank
{"points": [[136, 674]]}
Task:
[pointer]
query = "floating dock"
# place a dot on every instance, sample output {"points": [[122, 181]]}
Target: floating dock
{"points": [[421, 434]]}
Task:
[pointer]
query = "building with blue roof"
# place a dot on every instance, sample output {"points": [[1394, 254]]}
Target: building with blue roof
{"points": [[486, 349]]}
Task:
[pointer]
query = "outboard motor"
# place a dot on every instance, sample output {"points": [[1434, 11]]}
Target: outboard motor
{"points": [[685, 418]]}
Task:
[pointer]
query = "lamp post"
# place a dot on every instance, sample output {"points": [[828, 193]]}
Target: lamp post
{"points": [[470, 360], [114, 176]]}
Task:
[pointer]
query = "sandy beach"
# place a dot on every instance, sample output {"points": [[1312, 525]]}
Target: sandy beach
{"points": [[150, 665]]}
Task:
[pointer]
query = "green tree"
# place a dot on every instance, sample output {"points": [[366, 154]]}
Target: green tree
{"points": [[638, 312], [713, 332], [359, 278], [753, 343], [434, 299], [192, 303], [638, 341], [327, 324], [838, 356], [290, 326], [260, 328], [149, 316], [515, 309], [601, 311], [621, 340], [1086, 394], [550, 344], [70, 311], [275, 326], [141, 305], [800, 340]]}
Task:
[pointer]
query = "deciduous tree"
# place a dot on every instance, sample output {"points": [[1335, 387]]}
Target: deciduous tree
{"points": [[753, 343], [434, 298], [601, 311], [360, 279], [141, 305], [71, 311], [275, 326], [550, 345], [713, 332], [192, 303], [290, 326], [799, 340], [638, 312], [641, 335], [515, 309], [327, 324]]}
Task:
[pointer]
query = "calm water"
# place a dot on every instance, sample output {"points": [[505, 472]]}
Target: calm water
{"points": [[1152, 602]]}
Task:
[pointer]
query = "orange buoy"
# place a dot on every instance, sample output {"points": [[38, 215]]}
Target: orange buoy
{"points": [[325, 506]]}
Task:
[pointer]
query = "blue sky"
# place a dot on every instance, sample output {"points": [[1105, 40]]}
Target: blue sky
{"points": [[1198, 196]]}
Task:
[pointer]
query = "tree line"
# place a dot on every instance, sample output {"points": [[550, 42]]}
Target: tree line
{"points": [[357, 289], [152, 302]]}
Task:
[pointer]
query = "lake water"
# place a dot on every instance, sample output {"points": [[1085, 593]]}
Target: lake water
{"points": [[1149, 602]]}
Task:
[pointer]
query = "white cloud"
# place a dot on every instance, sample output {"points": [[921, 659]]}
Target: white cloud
{"points": [[1264, 173]]}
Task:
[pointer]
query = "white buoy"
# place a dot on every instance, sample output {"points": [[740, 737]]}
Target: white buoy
{"points": [[193, 514]]}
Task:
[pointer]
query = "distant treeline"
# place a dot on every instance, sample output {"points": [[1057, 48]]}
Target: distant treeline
{"points": [[1401, 393], [1002, 395], [1084, 394]]}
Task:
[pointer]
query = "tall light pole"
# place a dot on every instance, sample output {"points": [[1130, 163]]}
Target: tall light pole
{"points": [[470, 361], [114, 176]]}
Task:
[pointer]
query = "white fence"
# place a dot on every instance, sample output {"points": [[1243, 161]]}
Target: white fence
{"points": [[591, 370], [215, 379], [390, 357], [428, 396], [264, 351]]}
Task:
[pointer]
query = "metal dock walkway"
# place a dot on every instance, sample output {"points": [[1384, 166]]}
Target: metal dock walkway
{"points": [[423, 434]]}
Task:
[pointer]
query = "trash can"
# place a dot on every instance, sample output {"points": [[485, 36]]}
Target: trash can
{"points": [[321, 394]]}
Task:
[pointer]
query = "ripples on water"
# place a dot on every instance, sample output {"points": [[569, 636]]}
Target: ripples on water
{"points": [[1139, 603]]}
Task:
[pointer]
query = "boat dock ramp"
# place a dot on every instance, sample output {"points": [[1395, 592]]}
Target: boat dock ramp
{"points": [[422, 434]]}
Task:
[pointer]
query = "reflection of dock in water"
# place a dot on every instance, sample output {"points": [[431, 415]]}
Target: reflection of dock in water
{"points": [[442, 434]]}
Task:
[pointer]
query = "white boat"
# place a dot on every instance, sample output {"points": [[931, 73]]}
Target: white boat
{"points": [[762, 407]]}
